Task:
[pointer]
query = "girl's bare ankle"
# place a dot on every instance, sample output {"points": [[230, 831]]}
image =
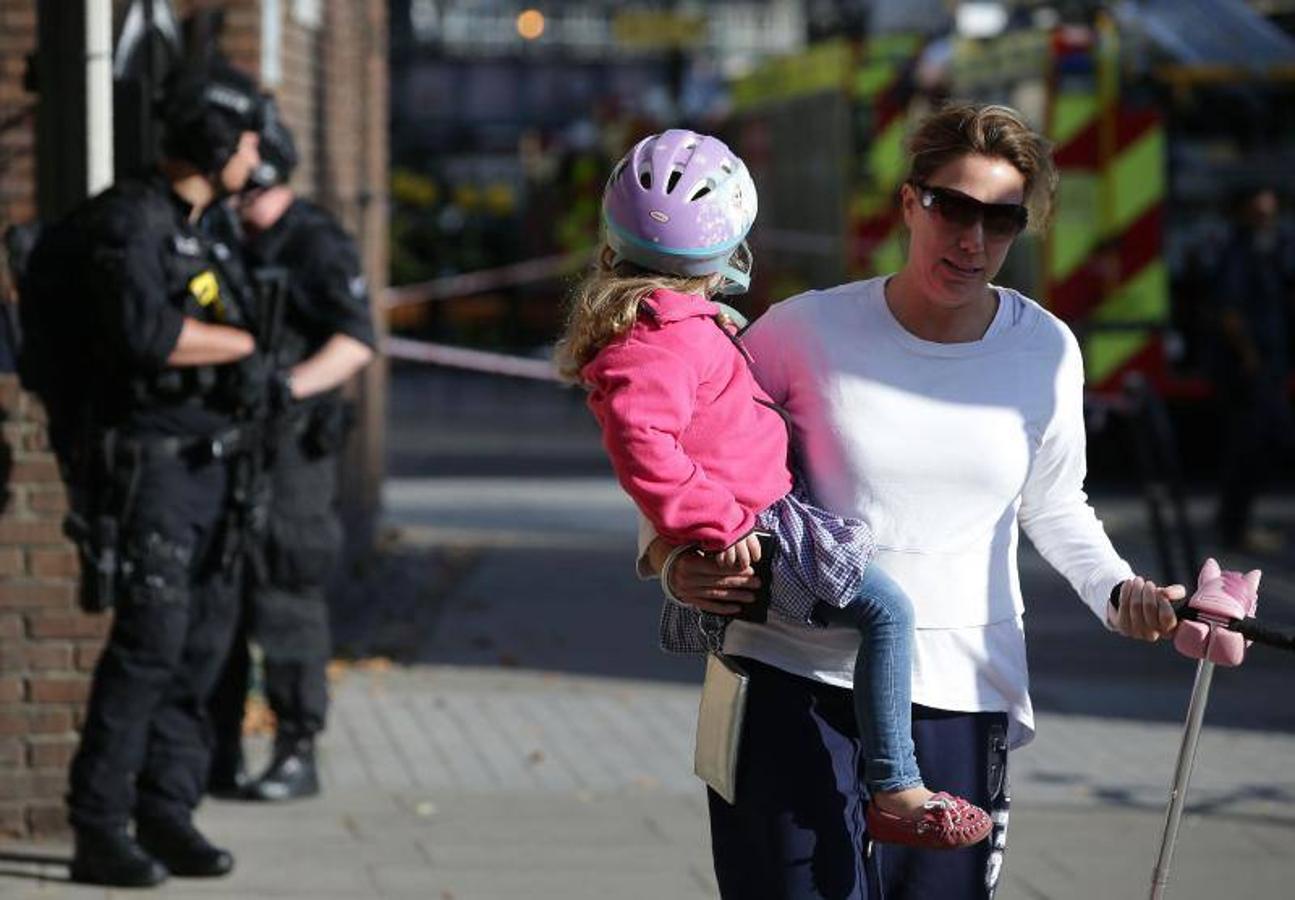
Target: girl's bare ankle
{"points": [[906, 802]]}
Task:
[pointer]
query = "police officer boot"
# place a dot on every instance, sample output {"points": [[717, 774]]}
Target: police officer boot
{"points": [[183, 849], [228, 777], [111, 857], [291, 773]]}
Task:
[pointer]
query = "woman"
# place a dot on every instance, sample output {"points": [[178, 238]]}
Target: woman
{"points": [[948, 414]]}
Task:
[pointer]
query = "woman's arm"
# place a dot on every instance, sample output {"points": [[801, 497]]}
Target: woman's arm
{"points": [[771, 340], [1056, 516]]}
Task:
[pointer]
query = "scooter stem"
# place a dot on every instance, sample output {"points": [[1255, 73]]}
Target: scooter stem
{"points": [[1182, 776]]}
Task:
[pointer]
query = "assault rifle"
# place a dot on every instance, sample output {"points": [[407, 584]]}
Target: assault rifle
{"points": [[251, 495]]}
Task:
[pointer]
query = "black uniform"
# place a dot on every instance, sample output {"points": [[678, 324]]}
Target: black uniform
{"points": [[1256, 283], [287, 615], [168, 437]]}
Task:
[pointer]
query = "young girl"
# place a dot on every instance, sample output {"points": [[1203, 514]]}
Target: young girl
{"points": [[703, 451]]}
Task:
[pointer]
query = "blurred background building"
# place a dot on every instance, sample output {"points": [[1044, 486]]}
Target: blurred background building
{"points": [[506, 118]]}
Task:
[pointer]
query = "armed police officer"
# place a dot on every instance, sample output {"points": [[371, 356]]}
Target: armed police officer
{"points": [[327, 337], [154, 357]]}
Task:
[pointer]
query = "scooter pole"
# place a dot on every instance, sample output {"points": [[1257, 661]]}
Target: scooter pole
{"points": [[1182, 776], [1186, 760], [1272, 636]]}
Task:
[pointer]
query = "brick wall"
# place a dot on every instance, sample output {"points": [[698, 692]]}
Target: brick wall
{"points": [[17, 121], [334, 96], [47, 646]]}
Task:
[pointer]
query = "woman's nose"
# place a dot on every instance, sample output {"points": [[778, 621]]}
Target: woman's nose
{"points": [[972, 237]]}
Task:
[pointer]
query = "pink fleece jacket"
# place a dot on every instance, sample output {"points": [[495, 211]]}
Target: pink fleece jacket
{"points": [[685, 424]]}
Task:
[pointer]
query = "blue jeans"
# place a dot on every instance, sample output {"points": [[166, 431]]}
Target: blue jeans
{"points": [[883, 616]]}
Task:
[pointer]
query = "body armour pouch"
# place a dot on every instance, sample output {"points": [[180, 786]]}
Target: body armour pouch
{"points": [[155, 569], [304, 533], [301, 550], [96, 541], [100, 492], [326, 429]]}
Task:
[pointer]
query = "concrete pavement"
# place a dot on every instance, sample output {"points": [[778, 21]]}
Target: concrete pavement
{"points": [[510, 731], [461, 783]]}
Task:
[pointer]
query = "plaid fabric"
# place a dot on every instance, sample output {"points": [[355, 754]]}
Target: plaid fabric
{"points": [[821, 558]]}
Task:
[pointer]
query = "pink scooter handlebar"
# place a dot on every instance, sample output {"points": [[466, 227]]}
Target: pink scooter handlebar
{"points": [[1250, 628]]}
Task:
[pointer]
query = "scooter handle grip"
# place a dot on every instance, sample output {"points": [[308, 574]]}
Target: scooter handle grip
{"points": [[1268, 635], [1249, 628]]}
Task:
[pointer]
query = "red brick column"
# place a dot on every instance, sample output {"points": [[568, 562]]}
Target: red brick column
{"points": [[48, 647], [17, 120]]}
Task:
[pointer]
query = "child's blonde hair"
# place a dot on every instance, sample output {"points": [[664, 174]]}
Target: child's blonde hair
{"points": [[605, 304]]}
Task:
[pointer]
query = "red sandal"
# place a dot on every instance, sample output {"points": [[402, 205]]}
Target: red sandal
{"points": [[946, 822]]}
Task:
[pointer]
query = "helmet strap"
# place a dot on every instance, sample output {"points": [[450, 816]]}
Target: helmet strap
{"points": [[737, 278]]}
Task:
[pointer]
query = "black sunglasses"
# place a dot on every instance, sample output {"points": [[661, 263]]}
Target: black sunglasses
{"points": [[1002, 220]]}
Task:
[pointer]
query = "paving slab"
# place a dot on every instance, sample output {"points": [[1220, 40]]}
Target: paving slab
{"points": [[506, 728]]}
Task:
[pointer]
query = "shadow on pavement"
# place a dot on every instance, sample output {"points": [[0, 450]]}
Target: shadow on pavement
{"points": [[10, 860], [553, 609], [527, 582]]}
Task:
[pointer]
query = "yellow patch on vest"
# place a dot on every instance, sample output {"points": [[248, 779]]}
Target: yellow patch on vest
{"points": [[206, 290]]}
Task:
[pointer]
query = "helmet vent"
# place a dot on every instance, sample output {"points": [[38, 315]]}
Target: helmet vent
{"points": [[701, 191], [726, 167], [673, 180], [645, 179]]}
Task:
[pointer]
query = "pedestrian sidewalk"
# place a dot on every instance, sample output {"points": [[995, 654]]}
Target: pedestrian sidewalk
{"points": [[532, 743], [471, 784]]}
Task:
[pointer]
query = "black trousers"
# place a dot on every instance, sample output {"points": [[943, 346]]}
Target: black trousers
{"points": [[287, 616], [146, 742], [1259, 435], [797, 831]]}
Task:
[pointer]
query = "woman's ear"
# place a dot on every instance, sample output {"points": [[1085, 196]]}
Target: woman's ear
{"points": [[908, 203]]}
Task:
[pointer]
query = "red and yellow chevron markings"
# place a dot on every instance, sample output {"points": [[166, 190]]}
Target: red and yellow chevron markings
{"points": [[1105, 270], [875, 223]]}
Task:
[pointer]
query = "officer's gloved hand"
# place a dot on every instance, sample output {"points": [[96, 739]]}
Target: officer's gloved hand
{"points": [[280, 391], [252, 383]]}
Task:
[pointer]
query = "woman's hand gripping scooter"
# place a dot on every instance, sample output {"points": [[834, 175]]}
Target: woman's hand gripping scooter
{"points": [[1215, 625]]}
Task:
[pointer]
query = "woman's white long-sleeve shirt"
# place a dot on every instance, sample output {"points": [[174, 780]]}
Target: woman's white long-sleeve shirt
{"points": [[943, 449]]}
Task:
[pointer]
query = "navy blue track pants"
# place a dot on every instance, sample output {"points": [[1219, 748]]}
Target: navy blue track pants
{"points": [[797, 831]]}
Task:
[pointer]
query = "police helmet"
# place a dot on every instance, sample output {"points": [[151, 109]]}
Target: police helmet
{"points": [[204, 112], [278, 150]]}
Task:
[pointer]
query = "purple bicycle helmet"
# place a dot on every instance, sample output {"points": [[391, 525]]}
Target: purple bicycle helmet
{"points": [[682, 203]]}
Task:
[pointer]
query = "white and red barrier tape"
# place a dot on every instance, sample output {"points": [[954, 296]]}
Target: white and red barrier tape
{"points": [[483, 280], [474, 360], [478, 282], [545, 267]]}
